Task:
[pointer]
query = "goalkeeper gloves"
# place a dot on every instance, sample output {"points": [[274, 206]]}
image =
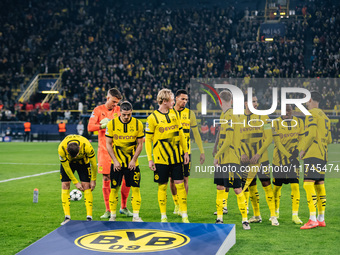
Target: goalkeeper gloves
{"points": [[104, 122]]}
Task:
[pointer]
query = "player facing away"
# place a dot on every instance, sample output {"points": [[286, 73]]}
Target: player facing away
{"points": [[100, 116], [76, 154], [257, 136], [314, 152], [219, 181], [124, 143], [164, 135], [288, 131], [188, 121], [228, 157]]}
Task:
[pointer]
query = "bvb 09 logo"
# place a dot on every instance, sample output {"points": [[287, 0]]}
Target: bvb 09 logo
{"points": [[115, 137], [132, 240], [161, 129]]}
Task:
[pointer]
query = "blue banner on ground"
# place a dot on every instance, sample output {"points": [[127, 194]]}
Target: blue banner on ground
{"points": [[154, 238]]}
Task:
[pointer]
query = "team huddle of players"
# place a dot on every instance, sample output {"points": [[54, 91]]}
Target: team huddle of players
{"points": [[242, 143]]}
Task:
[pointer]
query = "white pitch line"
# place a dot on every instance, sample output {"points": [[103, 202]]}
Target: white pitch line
{"points": [[29, 176]]}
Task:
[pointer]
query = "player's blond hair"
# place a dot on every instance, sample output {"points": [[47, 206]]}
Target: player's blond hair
{"points": [[164, 95], [226, 95]]}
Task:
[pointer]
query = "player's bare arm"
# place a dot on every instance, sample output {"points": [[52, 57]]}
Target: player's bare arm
{"points": [[132, 163], [116, 164]]}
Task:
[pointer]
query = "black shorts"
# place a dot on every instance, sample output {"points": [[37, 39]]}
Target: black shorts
{"points": [[132, 177], [84, 172], [314, 169], [220, 177], [285, 174], [228, 175], [235, 177], [163, 172], [263, 172]]}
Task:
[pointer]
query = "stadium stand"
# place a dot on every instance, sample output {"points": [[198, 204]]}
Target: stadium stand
{"points": [[146, 47]]}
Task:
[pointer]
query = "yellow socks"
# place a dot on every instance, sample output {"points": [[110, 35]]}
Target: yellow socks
{"points": [[255, 199], [225, 199], [321, 200], [88, 201], [113, 200], [219, 203], [182, 199], [246, 194], [135, 201], [241, 202], [295, 194], [277, 196], [270, 199], [175, 198], [311, 199], [65, 199], [162, 199]]}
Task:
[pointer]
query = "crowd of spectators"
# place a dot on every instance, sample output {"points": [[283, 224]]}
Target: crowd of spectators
{"points": [[140, 51]]}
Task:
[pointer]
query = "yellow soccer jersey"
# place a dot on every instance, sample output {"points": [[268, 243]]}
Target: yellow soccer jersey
{"points": [[166, 133], [256, 135], [229, 143], [124, 137], [317, 135], [286, 136], [188, 121], [86, 155]]}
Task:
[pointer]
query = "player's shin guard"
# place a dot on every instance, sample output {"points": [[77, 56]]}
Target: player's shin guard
{"points": [[106, 194], [255, 199], [311, 199], [295, 194], [321, 200], [65, 199], [225, 199], [162, 199], [88, 201], [270, 199], [241, 202], [136, 199], [124, 191], [114, 200], [219, 203], [182, 198], [277, 196]]}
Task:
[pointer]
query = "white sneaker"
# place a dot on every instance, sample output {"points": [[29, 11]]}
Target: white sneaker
{"points": [[137, 219], [112, 218], [255, 219], [274, 221], [245, 225], [67, 219]]}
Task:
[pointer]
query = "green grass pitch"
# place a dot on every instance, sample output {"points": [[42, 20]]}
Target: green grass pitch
{"points": [[23, 222]]}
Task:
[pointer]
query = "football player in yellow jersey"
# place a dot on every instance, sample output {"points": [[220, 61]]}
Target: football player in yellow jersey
{"points": [[163, 137], [188, 120], [256, 137], [227, 160], [288, 131], [124, 143], [314, 152], [76, 154]]}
